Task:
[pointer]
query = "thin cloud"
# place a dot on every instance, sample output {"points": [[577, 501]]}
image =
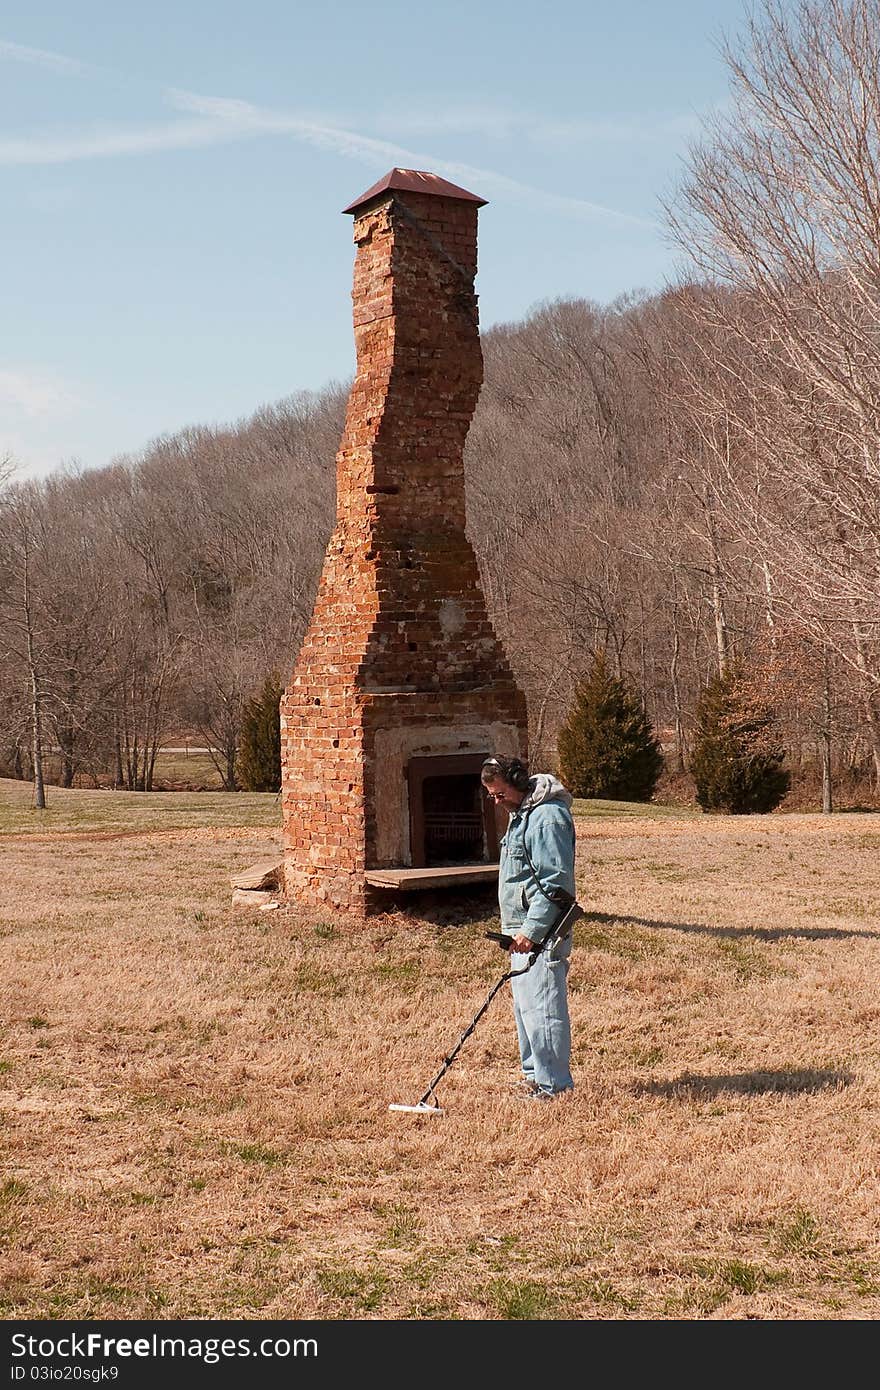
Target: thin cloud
{"points": [[107, 143], [245, 118], [34, 394], [229, 110], [512, 190], [220, 119], [38, 57], [491, 122], [623, 128]]}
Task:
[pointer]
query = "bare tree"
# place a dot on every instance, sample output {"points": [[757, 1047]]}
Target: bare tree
{"points": [[23, 547], [780, 209]]}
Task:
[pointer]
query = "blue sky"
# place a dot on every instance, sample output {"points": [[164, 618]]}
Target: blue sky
{"points": [[172, 177]]}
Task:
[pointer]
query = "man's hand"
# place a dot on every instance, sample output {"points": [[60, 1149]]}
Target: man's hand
{"points": [[523, 944]]}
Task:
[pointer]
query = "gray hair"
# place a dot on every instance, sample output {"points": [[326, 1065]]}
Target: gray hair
{"points": [[512, 770]]}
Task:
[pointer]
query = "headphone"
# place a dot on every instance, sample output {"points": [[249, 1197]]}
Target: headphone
{"points": [[513, 770]]}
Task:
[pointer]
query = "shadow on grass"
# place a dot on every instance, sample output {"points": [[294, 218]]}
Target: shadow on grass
{"points": [[748, 933], [786, 1082], [476, 905]]}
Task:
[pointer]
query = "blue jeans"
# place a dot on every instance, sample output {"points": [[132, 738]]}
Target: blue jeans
{"points": [[540, 1008]]}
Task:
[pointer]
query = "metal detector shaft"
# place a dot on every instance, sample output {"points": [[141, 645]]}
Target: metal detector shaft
{"points": [[447, 1061]]}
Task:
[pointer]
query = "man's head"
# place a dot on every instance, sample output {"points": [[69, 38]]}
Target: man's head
{"points": [[506, 781]]}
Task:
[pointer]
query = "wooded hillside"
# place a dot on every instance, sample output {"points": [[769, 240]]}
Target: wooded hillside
{"points": [[686, 480]]}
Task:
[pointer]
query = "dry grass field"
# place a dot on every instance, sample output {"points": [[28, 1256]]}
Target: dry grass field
{"points": [[194, 1097]]}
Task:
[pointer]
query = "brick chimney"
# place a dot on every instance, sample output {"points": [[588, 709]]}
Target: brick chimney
{"points": [[401, 687]]}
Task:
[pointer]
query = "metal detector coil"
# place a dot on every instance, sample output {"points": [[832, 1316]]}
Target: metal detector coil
{"points": [[420, 1109]]}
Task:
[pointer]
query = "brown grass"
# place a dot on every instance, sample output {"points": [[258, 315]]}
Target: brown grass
{"points": [[195, 1098]]}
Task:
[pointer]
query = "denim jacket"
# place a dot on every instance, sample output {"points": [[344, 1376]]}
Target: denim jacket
{"points": [[544, 818]]}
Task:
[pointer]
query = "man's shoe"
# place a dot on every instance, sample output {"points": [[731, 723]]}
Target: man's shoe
{"points": [[523, 1086], [539, 1095]]}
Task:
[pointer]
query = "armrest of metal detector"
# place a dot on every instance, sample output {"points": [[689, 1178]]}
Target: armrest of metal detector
{"points": [[505, 942], [571, 913]]}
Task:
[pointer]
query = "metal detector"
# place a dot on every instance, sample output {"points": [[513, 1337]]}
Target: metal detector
{"points": [[424, 1106]]}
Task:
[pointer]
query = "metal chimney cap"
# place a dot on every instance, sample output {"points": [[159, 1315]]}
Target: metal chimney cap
{"points": [[414, 181]]}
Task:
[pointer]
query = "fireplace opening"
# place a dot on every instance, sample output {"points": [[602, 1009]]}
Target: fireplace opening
{"points": [[451, 821]]}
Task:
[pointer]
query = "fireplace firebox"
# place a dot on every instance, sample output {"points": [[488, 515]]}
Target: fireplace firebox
{"points": [[452, 821]]}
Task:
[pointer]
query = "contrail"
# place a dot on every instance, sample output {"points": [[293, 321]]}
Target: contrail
{"points": [[223, 119]]}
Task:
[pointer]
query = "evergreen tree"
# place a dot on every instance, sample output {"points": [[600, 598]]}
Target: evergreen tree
{"points": [[737, 762], [259, 756], [607, 746]]}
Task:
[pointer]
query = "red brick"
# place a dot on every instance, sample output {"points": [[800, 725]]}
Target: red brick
{"points": [[398, 565]]}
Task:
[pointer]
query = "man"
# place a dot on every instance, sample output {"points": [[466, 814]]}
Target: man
{"points": [[540, 828]]}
